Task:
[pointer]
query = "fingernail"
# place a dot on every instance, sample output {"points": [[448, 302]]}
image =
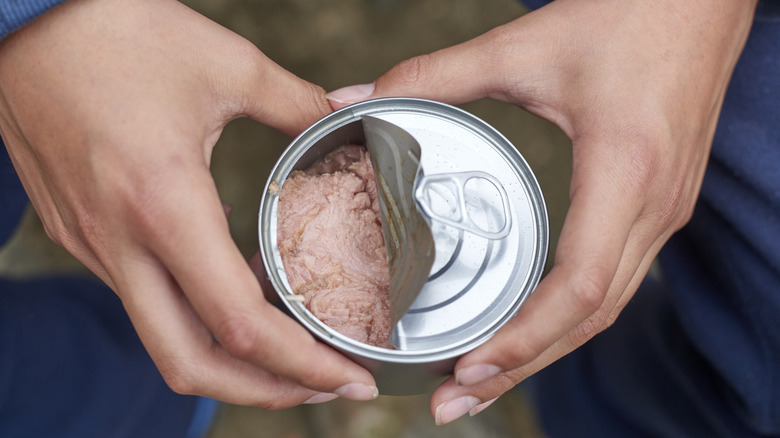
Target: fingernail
{"points": [[351, 94], [475, 374], [321, 398], [479, 408], [358, 391], [454, 409]]}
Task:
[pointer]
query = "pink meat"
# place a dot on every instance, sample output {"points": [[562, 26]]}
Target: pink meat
{"points": [[331, 243]]}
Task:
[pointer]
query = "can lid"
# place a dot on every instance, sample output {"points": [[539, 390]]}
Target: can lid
{"points": [[489, 252]]}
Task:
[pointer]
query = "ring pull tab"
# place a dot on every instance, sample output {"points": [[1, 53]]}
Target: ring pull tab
{"points": [[467, 201]]}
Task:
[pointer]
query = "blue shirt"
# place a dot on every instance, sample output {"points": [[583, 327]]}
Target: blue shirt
{"points": [[16, 13]]}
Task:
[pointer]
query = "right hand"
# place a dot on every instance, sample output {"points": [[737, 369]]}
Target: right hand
{"points": [[637, 86], [110, 110]]}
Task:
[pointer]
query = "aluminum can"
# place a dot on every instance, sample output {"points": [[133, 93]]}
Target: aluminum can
{"points": [[477, 283]]}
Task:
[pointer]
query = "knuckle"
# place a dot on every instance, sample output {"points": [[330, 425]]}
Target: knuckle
{"points": [[587, 329], [685, 215], [80, 234], [498, 44], [248, 56], [644, 146], [599, 321], [148, 211], [56, 232], [272, 404], [411, 72], [644, 165], [238, 336], [313, 377], [671, 211], [524, 350], [90, 230], [505, 381], [314, 98], [610, 319], [677, 206], [316, 95], [589, 288], [178, 376], [282, 397], [499, 37]]}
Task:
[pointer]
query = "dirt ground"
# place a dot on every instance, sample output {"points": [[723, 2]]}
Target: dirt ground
{"points": [[334, 44]]}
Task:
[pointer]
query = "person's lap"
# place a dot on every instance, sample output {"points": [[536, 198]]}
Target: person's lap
{"points": [[72, 365], [639, 378]]}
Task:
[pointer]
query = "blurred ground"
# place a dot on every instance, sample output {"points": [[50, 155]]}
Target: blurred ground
{"points": [[335, 44]]}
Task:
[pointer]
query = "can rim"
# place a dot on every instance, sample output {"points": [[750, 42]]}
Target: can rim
{"points": [[347, 115]]}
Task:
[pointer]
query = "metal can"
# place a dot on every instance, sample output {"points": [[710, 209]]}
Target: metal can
{"points": [[478, 281]]}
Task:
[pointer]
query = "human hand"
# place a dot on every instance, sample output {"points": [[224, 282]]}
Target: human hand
{"points": [[110, 110], [637, 86]]}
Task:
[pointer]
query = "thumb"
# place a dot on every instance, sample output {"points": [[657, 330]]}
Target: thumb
{"points": [[455, 75], [277, 98]]}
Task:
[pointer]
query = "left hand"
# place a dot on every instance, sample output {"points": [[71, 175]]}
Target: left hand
{"points": [[637, 86], [110, 110]]}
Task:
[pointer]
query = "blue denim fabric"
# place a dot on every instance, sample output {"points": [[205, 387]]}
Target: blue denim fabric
{"points": [[12, 197], [765, 8], [71, 365]]}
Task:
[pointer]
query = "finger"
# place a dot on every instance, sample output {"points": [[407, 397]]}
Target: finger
{"points": [[245, 82], [589, 253], [641, 249], [189, 234], [185, 352], [451, 401], [644, 251], [275, 97], [448, 402], [630, 275], [456, 74]]}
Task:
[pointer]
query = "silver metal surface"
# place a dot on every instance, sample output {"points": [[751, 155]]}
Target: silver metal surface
{"points": [[456, 190], [395, 157], [476, 283]]}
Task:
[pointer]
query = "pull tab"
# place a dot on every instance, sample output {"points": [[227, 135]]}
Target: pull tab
{"points": [[435, 193]]}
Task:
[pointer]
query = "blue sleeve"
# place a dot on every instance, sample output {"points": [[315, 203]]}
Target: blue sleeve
{"points": [[16, 13], [534, 4]]}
